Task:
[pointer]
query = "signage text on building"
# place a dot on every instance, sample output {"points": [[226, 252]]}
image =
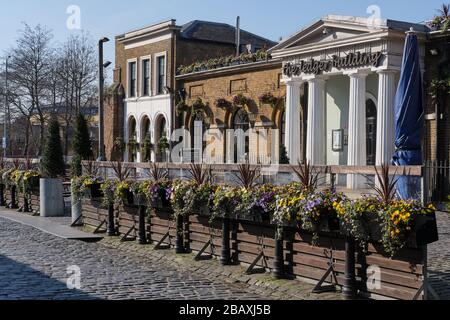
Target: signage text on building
{"points": [[352, 60]]}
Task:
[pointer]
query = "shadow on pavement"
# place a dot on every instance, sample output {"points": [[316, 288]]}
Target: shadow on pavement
{"points": [[20, 282]]}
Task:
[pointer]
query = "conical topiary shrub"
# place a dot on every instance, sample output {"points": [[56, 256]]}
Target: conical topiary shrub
{"points": [[81, 145], [81, 140], [53, 160]]}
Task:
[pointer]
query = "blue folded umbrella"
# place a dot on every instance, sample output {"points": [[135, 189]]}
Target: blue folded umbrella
{"points": [[409, 115]]}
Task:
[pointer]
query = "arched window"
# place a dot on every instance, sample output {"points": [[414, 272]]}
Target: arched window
{"points": [[198, 129], [371, 131], [132, 140], [241, 124], [283, 128], [161, 139], [146, 145]]}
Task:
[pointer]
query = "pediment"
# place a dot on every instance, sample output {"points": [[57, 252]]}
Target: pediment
{"points": [[329, 29]]}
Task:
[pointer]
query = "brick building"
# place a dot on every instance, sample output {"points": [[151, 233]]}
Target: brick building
{"points": [[146, 63], [437, 85], [217, 92]]}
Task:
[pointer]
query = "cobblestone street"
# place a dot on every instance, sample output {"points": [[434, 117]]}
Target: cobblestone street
{"points": [[33, 265]]}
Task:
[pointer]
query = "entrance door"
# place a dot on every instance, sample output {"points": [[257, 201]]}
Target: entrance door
{"points": [[371, 134]]}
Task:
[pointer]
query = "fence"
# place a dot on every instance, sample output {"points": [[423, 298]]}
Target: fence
{"points": [[437, 181]]}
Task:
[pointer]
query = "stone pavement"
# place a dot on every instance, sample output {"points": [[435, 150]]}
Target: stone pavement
{"points": [[34, 265], [61, 230], [439, 258]]}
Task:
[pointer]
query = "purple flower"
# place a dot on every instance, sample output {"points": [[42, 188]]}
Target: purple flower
{"points": [[169, 192]]}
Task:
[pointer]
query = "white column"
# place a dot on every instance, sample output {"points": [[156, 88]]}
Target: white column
{"points": [[292, 137], [385, 118], [316, 133], [357, 155]]}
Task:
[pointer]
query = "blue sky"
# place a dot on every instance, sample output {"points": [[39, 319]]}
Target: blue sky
{"points": [[270, 19]]}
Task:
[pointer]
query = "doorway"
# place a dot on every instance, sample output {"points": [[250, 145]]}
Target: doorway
{"points": [[371, 131]]}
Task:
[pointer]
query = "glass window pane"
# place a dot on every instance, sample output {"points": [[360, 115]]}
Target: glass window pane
{"points": [[132, 84], [161, 74]]}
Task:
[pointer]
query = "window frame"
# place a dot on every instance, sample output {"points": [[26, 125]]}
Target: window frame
{"points": [[149, 85], [159, 89], [131, 95]]}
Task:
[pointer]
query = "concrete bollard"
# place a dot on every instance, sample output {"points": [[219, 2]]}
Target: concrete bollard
{"points": [[51, 198]]}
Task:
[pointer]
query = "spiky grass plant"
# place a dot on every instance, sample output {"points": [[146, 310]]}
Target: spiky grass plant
{"points": [[308, 176], [386, 187], [200, 174], [248, 176], [91, 168], [121, 170], [157, 172]]}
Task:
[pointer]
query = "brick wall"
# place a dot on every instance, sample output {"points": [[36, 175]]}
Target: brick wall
{"points": [[437, 132], [122, 55], [252, 81], [114, 122]]}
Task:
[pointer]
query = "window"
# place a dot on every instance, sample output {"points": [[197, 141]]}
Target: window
{"points": [[241, 143], [132, 79], [146, 77], [161, 80]]}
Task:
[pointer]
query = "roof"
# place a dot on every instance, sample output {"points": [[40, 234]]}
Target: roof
{"points": [[220, 32], [356, 24], [199, 30]]}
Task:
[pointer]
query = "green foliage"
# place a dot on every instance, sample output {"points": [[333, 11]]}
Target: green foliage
{"points": [[163, 144], [211, 64], [284, 159], [76, 168], [146, 148], [81, 141], [53, 161]]}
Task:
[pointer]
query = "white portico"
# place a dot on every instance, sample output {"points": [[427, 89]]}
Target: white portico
{"points": [[348, 68]]}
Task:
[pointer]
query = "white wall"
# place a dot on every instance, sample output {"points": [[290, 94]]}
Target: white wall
{"points": [[154, 108], [337, 101]]}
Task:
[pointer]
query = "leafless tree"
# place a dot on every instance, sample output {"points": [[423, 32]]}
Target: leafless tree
{"points": [[47, 79], [76, 67], [30, 71]]}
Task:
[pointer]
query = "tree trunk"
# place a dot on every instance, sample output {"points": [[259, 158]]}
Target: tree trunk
{"points": [[27, 138]]}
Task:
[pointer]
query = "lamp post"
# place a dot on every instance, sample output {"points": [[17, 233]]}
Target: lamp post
{"points": [[6, 117], [101, 79]]}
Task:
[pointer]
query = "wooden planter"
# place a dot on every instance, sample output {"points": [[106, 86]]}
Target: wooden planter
{"points": [[33, 202], [9, 198], [162, 225], [94, 214], [128, 222], [204, 235], [401, 277]]}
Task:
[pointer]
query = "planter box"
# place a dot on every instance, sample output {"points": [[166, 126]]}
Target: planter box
{"points": [[161, 222], [34, 184], [94, 191], [94, 214], [425, 231], [201, 231], [51, 196]]}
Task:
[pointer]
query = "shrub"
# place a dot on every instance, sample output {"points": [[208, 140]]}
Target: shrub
{"points": [[53, 165]]}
